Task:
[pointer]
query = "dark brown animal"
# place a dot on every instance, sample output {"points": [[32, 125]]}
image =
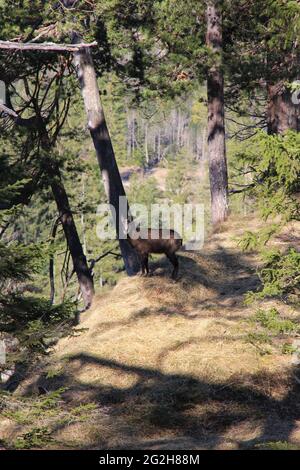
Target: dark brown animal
{"points": [[157, 241]]}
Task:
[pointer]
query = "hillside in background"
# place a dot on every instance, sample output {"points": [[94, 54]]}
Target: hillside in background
{"points": [[157, 364]]}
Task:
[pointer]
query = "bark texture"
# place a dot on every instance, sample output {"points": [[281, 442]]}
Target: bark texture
{"points": [[216, 147], [80, 265], [282, 113], [85, 279], [105, 154]]}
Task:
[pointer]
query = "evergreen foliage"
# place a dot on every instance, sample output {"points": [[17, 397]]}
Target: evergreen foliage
{"points": [[280, 276], [275, 165]]}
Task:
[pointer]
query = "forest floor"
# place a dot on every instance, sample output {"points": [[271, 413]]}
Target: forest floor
{"points": [[162, 365]]}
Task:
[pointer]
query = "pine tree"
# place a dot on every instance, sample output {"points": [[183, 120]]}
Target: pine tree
{"points": [[215, 108]]}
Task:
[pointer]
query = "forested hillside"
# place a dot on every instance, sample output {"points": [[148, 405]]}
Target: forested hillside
{"points": [[180, 104]]}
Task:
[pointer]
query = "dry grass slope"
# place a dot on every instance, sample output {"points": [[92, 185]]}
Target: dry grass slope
{"points": [[168, 365]]}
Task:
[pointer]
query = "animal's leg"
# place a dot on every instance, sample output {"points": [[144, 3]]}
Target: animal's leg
{"points": [[141, 259], [174, 260], [146, 264]]}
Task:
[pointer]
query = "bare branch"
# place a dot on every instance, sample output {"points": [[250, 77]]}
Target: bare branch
{"points": [[46, 46], [242, 190], [32, 122], [94, 261], [8, 111]]}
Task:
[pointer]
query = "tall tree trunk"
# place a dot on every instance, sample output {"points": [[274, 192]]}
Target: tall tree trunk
{"points": [[80, 265], [146, 143], [128, 134], [282, 113], [82, 219], [106, 158], [158, 145], [216, 125], [202, 162], [51, 263], [84, 276], [179, 128], [203, 156], [133, 137]]}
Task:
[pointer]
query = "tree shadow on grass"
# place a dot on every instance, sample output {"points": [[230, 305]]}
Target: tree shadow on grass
{"points": [[184, 410], [209, 281], [228, 289], [234, 270], [159, 409]]}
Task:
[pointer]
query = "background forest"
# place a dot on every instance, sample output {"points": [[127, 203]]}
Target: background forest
{"points": [[201, 105]]}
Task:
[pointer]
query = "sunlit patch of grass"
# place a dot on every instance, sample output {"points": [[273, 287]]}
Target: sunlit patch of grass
{"points": [[272, 321], [156, 359]]}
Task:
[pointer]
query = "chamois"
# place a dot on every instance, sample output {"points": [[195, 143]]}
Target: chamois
{"points": [[156, 241]]}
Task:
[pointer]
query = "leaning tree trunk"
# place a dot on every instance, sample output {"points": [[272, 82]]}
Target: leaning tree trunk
{"points": [[282, 113], [84, 276], [83, 273], [106, 158], [80, 265], [51, 263], [216, 126]]}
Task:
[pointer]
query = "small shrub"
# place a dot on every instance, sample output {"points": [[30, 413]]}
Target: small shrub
{"points": [[280, 276], [258, 338], [261, 341], [37, 437], [288, 348], [271, 320]]}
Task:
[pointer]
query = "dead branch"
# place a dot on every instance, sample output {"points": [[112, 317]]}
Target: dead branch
{"points": [[8, 111], [94, 261], [45, 46], [32, 122], [243, 189]]}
